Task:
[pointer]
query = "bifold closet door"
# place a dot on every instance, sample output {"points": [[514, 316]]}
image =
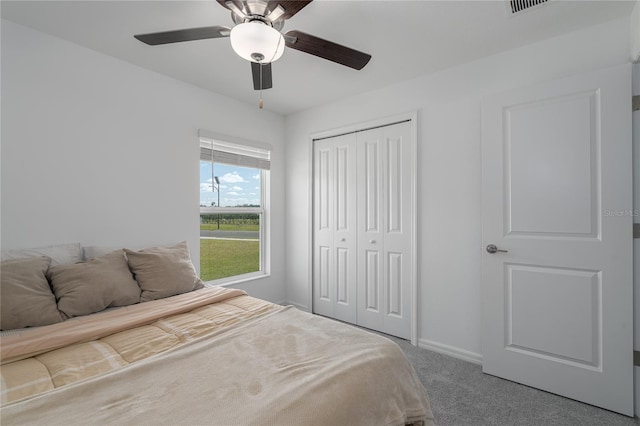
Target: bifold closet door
{"points": [[334, 228], [385, 229]]}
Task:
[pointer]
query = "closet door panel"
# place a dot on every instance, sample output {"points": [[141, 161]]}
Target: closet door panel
{"points": [[324, 273], [371, 185], [344, 232], [342, 276], [394, 199], [334, 229], [372, 282], [394, 284], [324, 188], [323, 224], [371, 275], [398, 228]]}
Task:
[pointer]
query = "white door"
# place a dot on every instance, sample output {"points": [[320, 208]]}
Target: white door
{"points": [[556, 187], [334, 263], [385, 228]]}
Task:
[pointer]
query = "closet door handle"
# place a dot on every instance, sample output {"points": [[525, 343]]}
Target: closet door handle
{"points": [[492, 248], [372, 241], [342, 240]]}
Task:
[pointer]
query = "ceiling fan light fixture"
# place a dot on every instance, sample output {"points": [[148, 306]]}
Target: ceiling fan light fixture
{"points": [[255, 39]]}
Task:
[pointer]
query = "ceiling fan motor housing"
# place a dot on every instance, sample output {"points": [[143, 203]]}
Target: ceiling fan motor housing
{"points": [[256, 11]]}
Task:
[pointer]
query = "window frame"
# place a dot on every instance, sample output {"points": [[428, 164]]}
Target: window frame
{"points": [[264, 210]]}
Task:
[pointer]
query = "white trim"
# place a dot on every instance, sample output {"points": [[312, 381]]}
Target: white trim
{"points": [[232, 210], [378, 122], [206, 134], [411, 116], [237, 279], [414, 242], [297, 306], [264, 210], [634, 48], [451, 351], [265, 227], [213, 145], [310, 227]]}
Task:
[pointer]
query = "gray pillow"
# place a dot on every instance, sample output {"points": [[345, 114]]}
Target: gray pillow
{"points": [[85, 288], [163, 271], [25, 297]]}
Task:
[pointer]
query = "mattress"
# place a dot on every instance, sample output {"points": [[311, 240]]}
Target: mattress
{"points": [[211, 356]]}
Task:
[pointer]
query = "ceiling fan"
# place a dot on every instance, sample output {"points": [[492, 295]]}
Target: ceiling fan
{"points": [[257, 37]]}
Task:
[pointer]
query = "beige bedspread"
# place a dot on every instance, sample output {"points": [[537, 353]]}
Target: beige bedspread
{"points": [[275, 366], [33, 341]]}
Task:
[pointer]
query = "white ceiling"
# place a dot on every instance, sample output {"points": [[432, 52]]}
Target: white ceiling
{"points": [[405, 38]]}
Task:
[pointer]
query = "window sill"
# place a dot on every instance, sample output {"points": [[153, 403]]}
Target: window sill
{"points": [[237, 279]]}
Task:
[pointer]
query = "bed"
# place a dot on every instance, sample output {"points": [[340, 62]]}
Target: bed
{"points": [[209, 355]]}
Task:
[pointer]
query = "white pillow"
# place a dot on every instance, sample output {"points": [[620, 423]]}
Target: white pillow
{"points": [[60, 254]]}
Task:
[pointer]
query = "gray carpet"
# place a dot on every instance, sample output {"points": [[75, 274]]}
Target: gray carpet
{"points": [[460, 395]]}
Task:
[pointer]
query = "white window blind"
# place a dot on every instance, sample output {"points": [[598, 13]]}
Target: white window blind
{"points": [[235, 154]]}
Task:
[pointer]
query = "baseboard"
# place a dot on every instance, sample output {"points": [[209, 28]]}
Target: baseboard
{"points": [[452, 351], [297, 305]]}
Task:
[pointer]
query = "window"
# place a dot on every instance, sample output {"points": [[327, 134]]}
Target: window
{"points": [[233, 210]]}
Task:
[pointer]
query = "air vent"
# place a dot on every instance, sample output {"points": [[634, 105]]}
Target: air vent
{"points": [[517, 6]]}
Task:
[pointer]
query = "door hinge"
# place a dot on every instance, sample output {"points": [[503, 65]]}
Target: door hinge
{"points": [[636, 230], [635, 103], [636, 358]]}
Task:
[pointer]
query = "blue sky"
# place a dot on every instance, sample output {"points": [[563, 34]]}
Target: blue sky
{"points": [[238, 185]]}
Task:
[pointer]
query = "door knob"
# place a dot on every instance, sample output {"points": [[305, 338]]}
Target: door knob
{"points": [[372, 241], [343, 240], [491, 248]]}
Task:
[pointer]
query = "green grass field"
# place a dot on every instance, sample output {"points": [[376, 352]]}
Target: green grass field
{"points": [[229, 227], [225, 258]]}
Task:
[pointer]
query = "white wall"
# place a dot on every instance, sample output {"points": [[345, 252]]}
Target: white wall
{"points": [[449, 223], [102, 152], [636, 219], [635, 32]]}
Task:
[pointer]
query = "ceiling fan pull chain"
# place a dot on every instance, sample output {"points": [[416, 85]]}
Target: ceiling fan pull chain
{"points": [[260, 103]]}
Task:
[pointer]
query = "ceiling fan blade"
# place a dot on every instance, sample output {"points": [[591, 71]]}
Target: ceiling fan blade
{"points": [[238, 4], [176, 36], [266, 76], [291, 7], [326, 49]]}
